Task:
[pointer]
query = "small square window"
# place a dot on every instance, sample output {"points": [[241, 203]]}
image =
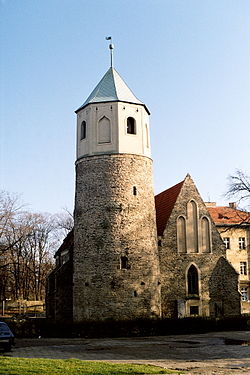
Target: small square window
{"points": [[194, 310]]}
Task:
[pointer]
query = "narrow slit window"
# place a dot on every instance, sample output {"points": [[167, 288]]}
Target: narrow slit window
{"points": [[83, 130], [134, 190], [124, 263]]}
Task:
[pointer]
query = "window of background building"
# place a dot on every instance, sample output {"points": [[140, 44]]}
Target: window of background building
{"points": [[244, 294], [227, 242], [243, 268], [242, 243]]}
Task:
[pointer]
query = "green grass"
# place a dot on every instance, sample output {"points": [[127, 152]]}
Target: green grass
{"points": [[43, 366]]}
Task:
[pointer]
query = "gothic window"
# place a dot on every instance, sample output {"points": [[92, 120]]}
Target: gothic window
{"points": [[193, 281], [205, 235], [83, 130], [181, 235], [227, 242], [124, 262], [131, 128], [192, 227], [104, 130]]}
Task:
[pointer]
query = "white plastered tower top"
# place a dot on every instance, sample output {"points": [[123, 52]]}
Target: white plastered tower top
{"points": [[112, 120]]}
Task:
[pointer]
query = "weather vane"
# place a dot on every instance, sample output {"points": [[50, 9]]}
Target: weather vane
{"points": [[111, 47]]}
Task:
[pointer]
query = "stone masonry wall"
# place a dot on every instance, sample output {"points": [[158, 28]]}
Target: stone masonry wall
{"points": [[114, 218], [174, 267]]}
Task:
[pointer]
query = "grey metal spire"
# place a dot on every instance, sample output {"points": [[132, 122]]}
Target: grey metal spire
{"points": [[111, 88]]}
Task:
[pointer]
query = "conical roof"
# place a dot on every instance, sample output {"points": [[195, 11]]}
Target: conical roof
{"points": [[111, 88]]}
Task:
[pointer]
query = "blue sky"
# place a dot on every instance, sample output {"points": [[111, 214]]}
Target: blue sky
{"points": [[187, 60]]}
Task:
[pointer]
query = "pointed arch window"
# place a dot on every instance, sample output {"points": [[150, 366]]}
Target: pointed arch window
{"points": [[104, 130], [131, 125], [193, 281], [83, 130], [192, 227], [205, 235], [181, 235]]}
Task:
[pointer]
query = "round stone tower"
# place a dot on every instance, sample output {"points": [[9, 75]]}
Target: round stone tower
{"points": [[116, 265]]}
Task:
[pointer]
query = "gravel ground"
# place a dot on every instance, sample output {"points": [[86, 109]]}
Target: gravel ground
{"points": [[222, 353]]}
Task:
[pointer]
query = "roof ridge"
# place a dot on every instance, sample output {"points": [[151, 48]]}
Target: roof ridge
{"points": [[112, 70]]}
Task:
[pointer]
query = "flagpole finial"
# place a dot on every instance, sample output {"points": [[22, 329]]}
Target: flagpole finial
{"points": [[111, 47]]}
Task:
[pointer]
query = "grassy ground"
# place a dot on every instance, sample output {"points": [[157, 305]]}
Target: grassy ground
{"points": [[37, 366]]}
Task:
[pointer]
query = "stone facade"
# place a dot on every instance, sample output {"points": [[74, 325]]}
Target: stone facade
{"points": [[216, 293]]}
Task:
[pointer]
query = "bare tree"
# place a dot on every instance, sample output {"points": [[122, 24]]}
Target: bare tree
{"points": [[239, 187], [64, 223], [10, 208], [28, 242]]}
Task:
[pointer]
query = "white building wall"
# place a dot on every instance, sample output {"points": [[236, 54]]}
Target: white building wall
{"points": [[120, 141]]}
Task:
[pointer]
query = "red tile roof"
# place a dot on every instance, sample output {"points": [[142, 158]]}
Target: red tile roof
{"points": [[164, 204], [228, 215]]}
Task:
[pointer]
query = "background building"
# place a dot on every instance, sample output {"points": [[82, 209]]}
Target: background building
{"points": [[234, 227]]}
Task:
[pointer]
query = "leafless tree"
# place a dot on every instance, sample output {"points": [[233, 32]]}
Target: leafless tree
{"points": [[28, 242], [239, 187]]}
